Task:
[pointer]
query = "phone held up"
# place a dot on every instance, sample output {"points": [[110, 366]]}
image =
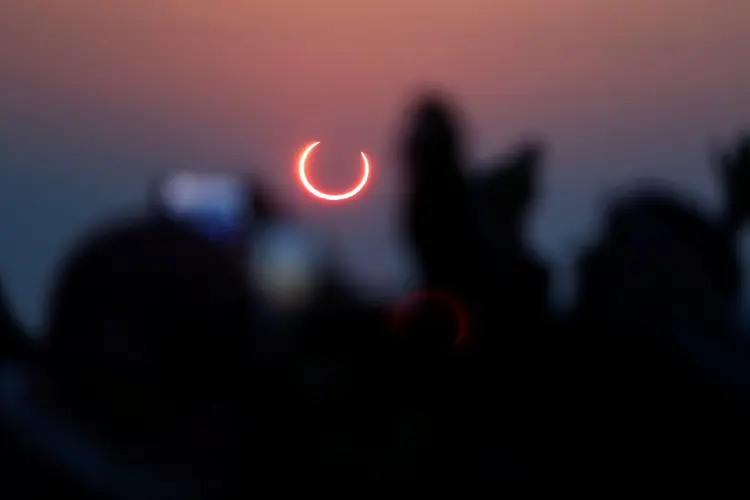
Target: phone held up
{"points": [[286, 262], [216, 205]]}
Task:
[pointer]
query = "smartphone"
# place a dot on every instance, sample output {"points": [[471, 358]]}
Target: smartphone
{"points": [[216, 205]]}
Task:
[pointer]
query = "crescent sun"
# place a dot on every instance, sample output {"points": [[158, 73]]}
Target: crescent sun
{"points": [[327, 196]]}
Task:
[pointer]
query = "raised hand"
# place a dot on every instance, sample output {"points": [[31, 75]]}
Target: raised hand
{"points": [[432, 132], [512, 184], [438, 218]]}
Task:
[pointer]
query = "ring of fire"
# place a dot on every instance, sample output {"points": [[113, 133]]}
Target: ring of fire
{"points": [[325, 196]]}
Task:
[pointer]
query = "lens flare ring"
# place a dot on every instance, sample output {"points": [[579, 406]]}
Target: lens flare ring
{"points": [[326, 196], [457, 308]]}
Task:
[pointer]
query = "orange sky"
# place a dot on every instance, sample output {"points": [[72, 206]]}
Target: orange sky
{"points": [[350, 65], [251, 81], [647, 82]]}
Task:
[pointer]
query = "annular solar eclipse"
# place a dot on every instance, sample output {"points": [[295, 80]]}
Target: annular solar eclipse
{"points": [[331, 196]]}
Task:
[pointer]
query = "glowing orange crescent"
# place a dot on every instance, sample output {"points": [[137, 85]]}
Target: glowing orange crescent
{"points": [[326, 196]]}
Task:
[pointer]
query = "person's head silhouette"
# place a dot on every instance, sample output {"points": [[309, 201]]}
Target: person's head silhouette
{"points": [[661, 262], [147, 313]]}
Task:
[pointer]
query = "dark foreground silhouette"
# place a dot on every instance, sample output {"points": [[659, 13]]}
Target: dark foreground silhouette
{"points": [[165, 372]]}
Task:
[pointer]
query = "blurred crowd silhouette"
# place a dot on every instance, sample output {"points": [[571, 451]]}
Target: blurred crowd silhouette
{"points": [[165, 371]]}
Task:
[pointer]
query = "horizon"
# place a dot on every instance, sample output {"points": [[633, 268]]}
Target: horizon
{"points": [[97, 99]]}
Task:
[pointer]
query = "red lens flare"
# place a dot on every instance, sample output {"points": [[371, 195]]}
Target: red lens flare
{"points": [[326, 196], [454, 305]]}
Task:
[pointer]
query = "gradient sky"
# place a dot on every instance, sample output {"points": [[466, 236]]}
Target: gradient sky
{"points": [[98, 95]]}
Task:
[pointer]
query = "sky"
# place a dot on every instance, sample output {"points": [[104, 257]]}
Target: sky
{"points": [[97, 97]]}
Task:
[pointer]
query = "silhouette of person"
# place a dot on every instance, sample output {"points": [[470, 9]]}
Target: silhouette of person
{"points": [[663, 278], [456, 257], [142, 388]]}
